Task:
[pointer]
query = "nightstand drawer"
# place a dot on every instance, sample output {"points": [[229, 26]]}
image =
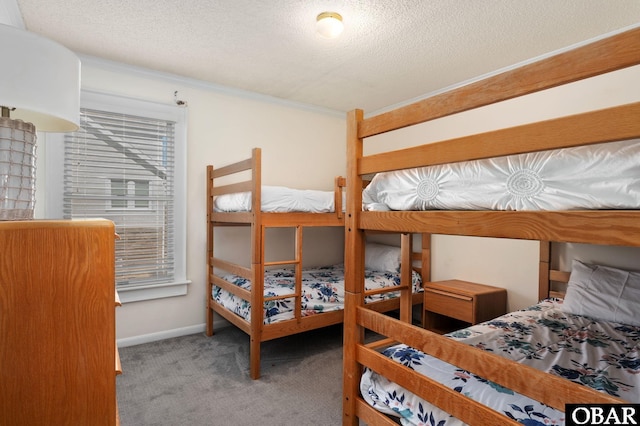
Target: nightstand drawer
{"points": [[453, 305]]}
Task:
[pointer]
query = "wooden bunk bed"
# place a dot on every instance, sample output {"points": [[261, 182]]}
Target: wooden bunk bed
{"points": [[604, 226], [247, 306]]}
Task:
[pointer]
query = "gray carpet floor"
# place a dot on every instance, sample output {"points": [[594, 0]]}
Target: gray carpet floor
{"points": [[197, 380]]}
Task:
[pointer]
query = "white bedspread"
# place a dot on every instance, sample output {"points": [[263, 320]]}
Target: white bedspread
{"points": [[279, 199], [602, 176]]}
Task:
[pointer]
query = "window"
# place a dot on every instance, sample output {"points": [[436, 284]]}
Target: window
{"points": [[129, 194], [126, 164]]}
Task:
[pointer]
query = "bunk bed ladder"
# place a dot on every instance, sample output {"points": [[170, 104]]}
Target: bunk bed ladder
{"points": [[297, 264]]}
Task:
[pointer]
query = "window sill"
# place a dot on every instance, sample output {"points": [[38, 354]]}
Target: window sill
{"points": [[150, 292]]}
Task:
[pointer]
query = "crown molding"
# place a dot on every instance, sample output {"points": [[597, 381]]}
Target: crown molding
{"points": [[114, 66]]}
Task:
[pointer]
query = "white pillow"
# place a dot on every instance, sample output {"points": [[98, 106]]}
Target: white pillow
{"points": [[603, 292], [382, 257]]}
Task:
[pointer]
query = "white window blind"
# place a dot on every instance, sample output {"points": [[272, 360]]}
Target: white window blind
{"points": [[121, 167]]}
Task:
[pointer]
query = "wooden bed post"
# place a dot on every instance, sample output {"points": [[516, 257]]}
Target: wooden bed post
{"points": [[209, 329], [544, 285], [297, 310], [425, 266], [257, 265], [256, 206], [339, 185], [406, 270], [426, 258], [354, 271]]}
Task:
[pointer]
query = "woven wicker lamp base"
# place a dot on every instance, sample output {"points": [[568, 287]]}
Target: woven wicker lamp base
{"points": [[17, 169]]}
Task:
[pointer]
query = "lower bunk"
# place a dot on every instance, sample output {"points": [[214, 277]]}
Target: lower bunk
{"points": [[590, 337], [322, 292], [315, 299]]}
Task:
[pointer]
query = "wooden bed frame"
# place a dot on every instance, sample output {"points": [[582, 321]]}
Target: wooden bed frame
{"points": [[259, 222], [591, 227]]}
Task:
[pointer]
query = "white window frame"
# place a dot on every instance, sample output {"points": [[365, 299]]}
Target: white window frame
{"points": [[54, 163]]}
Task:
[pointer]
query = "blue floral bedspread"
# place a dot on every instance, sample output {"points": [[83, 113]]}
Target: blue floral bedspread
{"points": [[322, 291], [594, 353]]}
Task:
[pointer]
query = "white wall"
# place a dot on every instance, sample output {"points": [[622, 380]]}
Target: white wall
{"points": [[302, 147], [508, 263]]}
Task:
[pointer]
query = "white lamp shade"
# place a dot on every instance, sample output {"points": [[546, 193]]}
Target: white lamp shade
{"points": [[40, 79]]}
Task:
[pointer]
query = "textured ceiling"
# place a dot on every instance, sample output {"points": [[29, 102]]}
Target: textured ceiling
{"points": [[390, 52]]}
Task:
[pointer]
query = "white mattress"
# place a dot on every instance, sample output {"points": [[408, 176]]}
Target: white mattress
{"points": [[279, 199], [602, 176]]}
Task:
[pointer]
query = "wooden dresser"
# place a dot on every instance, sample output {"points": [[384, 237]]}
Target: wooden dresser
{"points": [[58, 355]]}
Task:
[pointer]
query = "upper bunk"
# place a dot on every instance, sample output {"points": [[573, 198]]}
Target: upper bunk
{"points": [[234, 199], [601, 226]]}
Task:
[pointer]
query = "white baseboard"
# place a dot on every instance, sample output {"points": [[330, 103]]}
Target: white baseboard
{"points": [[167, 334]]}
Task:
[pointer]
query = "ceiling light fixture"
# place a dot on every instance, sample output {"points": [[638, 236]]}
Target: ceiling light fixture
{"points": [[329, 24], [40, 84]]}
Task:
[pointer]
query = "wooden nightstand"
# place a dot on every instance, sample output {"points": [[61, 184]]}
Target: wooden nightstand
{"points": [[452, 304]]}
